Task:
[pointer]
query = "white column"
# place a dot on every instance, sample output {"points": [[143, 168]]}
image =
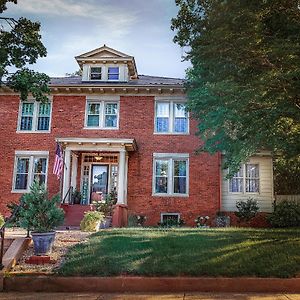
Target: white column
{"points": [[67, 173], [125, 179], [74, 171], [121, 177]]}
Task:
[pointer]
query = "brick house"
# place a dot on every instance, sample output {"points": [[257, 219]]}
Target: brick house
{"points": [[120, 132]]}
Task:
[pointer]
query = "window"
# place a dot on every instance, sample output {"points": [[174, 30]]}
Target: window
{"points": [[96, 73], [29, 166], [171, 117], [170, 176], [113, 73], [102, 114], [169, 218], [246, 180], [34, 116]]}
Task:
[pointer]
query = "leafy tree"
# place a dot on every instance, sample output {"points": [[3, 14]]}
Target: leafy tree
{"points": [[20, 45], [244, 83]]}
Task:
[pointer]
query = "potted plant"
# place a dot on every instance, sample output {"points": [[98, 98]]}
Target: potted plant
{"points": [[105, 206], [91, 221], [222, 220], [76, 197], [41, 216]]}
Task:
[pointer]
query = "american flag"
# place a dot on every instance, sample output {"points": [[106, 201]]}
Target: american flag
{"points": [[59, 162]]}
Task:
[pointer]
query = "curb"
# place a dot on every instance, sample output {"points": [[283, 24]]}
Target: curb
{"points": [[149, 284]]}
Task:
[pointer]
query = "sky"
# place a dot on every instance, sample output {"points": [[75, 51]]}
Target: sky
{"points": [[140, 28]]}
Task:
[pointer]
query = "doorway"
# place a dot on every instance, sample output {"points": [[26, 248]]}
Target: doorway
{"points": [[99, 182]]}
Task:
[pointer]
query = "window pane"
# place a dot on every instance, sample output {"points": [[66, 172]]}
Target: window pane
{"points": [[180, 185], [252, 178], [161, 167], [162, 124], [113, 73], [179, 168], [21, 181], [96, 73], [236, 185], [163, 109], [27, 109], [179, 110], [26, 123], [252, 171], [252, 185], [43, 123], [93, 121], [93, 108], [110, 121], [23, 165], [40, 165], [44, 109], [111, 108], [180, 125], [161, 185]]}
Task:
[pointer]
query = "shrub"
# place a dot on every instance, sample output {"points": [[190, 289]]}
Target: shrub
{"points": [[39, 213], [286, 214], [136, 220], [247, 210], [171, 223], [106, 206], [90, 220]]}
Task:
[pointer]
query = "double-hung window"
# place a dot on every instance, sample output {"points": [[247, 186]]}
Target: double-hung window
{"points": [[246, 180], [170, 174], [102, 115], [171, 117], [113, 73], [96, 73], [34, 116], [30, 166]]}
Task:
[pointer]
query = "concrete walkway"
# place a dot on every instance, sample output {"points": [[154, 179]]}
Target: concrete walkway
{"points": [[181, 296]]}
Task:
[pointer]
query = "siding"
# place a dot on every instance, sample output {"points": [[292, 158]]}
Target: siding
{"points": [[265, 197]]}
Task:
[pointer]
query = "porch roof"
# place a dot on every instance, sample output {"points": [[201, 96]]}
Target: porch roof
{"points": [[98, 144]]}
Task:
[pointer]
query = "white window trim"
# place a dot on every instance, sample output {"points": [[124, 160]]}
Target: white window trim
{"points": [[114, 66], [170, 157], [101, 73], [169, 214], [31, 155], [104, 72], [171, 102], [34, 117], [244, 182], [102, 101]]}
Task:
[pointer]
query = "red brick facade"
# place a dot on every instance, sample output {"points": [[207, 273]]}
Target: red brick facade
{"points": [[136, 120]]}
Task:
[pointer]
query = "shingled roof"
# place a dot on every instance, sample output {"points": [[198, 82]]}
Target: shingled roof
{"points": [[143, 80]]}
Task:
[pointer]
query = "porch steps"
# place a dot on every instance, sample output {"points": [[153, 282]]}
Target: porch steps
{"points": [[74, 214]]}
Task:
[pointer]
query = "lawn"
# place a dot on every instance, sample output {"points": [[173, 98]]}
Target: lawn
{"points": [[187, 252]]}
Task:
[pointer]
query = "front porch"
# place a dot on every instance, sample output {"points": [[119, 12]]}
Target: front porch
{"points": [[95, 167]]}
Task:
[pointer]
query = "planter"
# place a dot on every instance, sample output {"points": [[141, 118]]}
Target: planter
{"points": [[106, 223], [43, 242]]}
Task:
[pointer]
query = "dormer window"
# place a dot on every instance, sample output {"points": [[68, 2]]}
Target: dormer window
{"points": [[96, 73], [113, 73]]}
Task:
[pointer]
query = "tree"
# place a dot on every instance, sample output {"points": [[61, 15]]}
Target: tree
{"points": [[244, 83], [20, 45]]}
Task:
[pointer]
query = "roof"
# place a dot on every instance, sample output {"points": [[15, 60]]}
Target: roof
{"points": [[143, 80]]}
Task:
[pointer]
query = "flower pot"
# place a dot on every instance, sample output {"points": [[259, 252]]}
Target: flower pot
{"points": [[106, 223], [43, 242]]}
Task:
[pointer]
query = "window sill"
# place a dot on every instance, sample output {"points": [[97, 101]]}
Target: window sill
{"points": [[171, 133], [171, 195], [101, 128], [33, 131], [19, 191], [244, 193]]}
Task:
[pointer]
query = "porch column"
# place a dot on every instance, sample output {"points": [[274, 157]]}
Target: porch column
{"points": [[67, 173], [121, 177], [74, 170]]}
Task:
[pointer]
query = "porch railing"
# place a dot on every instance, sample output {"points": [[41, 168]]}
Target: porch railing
{"points": [[68, 197]]}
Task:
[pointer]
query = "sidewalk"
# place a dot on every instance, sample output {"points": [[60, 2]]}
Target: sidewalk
{"points": [[181, 296]]}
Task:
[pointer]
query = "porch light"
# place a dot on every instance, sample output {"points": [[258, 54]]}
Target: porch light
{"points": [[98, 157]]}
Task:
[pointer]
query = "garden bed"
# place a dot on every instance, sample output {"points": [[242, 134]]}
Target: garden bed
{"points": [[63, 241]]}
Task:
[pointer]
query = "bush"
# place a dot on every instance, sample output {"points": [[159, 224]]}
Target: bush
{"points": [[247, 210], [171, 223], [286, 214], [136, 220], [91, 220], [39, 213]]}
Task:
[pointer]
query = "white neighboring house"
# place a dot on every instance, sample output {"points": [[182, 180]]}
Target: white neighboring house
{"points": [[254, 180]]}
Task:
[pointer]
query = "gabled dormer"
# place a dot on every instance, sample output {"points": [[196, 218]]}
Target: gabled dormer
{"points": [[108, 65]]}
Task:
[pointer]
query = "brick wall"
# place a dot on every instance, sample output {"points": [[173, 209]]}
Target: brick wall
{"points": [[136, 121]]}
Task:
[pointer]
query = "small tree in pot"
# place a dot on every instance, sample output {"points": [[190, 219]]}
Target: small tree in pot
{"points": [[41, 215]]}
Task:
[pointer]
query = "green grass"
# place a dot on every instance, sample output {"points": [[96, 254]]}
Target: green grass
{"points": [[187, 252]]}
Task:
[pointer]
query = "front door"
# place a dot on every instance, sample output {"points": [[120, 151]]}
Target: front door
{"points": [[99, 182]]}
